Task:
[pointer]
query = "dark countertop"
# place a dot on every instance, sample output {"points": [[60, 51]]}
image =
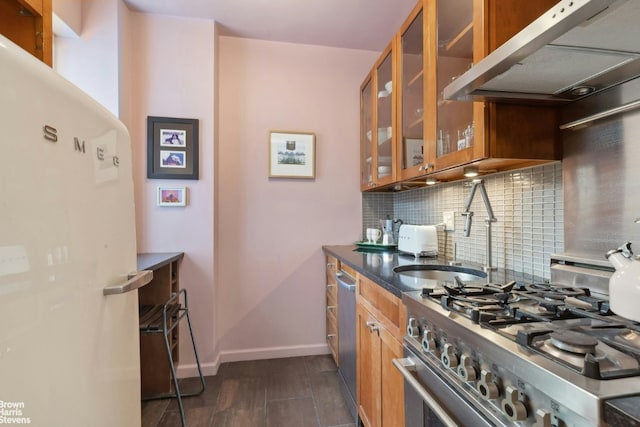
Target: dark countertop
{"points": [[153, 261], [622, 412], [378, 266]]}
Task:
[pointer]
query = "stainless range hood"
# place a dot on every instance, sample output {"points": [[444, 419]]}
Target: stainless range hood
{"points": [[576, 48]]}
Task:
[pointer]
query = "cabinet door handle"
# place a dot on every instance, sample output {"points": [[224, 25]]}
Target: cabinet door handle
{"points": [[331, 307], [331, 336], [373, 327]]}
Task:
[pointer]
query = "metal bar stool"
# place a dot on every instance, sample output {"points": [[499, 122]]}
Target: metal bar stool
{"points": [[172, 312]]}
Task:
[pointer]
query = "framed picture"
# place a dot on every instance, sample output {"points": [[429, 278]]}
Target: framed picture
{"points": [[413, 152], [172, 148], [292, 154], [172, 196]]}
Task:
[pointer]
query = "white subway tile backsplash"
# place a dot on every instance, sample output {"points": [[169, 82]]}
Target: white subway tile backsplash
{"points": [[527, 203]]}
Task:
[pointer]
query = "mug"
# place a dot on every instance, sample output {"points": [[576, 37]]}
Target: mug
{"points": [[373, 234]]}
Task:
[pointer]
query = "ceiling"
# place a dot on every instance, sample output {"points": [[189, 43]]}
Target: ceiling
{"points": [[355, 24]]}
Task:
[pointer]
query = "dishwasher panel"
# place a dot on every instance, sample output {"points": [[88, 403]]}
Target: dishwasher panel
{"points": [[347, 337]]}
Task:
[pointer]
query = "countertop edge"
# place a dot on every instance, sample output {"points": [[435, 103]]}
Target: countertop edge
{"points": [[374, 277], [155, 260]]}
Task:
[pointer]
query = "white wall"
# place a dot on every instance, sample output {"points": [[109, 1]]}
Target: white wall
{"points": [[92, 61], [253, 263], [270, 274], [169, 64]]}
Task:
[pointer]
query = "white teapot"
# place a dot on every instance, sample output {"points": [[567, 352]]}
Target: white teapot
{"points": [[624, 284]]}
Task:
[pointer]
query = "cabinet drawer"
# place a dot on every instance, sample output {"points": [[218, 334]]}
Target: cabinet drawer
{"points": [[332, 265], [384, 305], [332, 335], [332, 323], [332, 298]]}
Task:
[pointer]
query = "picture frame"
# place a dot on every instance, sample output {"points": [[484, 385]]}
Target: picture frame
{"points": [[172, 196], [413, 152], [172, 148], [292, 154]]}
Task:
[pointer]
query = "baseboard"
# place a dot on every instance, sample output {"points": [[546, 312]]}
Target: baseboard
{"points": [[211, 368], [272, 352], [191, 370]]}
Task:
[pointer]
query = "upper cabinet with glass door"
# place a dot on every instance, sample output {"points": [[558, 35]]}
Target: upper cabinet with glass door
{"points": [[366, 133], [455, 124], [409, 131], [378, 125], [412, 159], [462, 32]]}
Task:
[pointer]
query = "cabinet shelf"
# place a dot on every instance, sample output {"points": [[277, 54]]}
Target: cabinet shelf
{"points": [[462, 44], [415, 79], [416, 123]]}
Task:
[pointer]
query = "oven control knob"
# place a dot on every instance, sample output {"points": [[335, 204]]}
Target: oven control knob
{"points": [[543, 419], [413, 330], [486, 387], [512, 407], [466, 371], [449, 357], [428, 341]]}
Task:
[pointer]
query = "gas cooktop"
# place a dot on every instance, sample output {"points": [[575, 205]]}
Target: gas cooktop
{"points": [[564, 324], [527, 354]]}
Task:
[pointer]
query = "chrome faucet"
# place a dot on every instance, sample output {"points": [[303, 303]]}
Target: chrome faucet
{"points": [[479, 183]]}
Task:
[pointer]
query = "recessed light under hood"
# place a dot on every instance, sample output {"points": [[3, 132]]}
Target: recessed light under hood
{"points": [[576, 48]]}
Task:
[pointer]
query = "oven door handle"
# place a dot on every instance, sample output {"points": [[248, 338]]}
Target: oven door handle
{"points": [[406, 367]]}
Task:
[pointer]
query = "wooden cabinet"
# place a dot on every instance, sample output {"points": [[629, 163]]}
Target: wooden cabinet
{"points": [[380, 321], [378, 123], [489, 136], [28, 23], [332, 266], [154, 364], [434, 137], [412, 159]]}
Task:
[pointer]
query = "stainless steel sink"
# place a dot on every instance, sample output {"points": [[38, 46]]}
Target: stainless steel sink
{"points": [[418, 276]]}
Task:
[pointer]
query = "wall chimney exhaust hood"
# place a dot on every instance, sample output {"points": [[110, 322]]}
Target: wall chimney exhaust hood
{"points": [[576, 48]]}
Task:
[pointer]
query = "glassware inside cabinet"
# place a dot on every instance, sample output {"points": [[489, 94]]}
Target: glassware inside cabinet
{"points": [[366, 133], [412, 94], [384, 148], [455, 126]]}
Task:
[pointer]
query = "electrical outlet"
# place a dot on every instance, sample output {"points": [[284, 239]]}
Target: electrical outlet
{"points": [[449, 221]]}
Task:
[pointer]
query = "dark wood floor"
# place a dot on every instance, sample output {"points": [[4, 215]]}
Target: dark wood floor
{"points": [[298, 391]]}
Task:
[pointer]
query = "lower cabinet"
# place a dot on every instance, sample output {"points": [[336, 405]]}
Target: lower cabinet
{"points": [[332, 266], [379, 340]]}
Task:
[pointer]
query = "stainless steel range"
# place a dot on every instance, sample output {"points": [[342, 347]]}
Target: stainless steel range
{"points": [[526, 354]]}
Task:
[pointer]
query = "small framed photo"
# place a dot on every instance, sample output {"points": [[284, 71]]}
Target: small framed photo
{"points": [[172, 196], [292, 154], [173, 138], [172, 148], [413, 152]]}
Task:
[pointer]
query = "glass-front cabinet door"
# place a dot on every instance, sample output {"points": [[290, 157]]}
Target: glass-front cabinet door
{"points": [[366, 134], [455, 125], [378, 124], [413, 159], [384, 119]]}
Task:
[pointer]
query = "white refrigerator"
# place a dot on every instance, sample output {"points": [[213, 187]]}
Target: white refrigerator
{"points": [[69, 339]]}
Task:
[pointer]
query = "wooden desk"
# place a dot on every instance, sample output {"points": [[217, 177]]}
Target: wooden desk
{"points": [[154, 364]]}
